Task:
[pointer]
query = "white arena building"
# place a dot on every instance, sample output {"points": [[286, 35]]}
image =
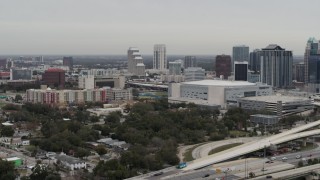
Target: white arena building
{"points": [[215, 92]]}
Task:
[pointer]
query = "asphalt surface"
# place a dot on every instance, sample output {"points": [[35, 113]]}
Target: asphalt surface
{"points": [[238, 168], [203, 151]]}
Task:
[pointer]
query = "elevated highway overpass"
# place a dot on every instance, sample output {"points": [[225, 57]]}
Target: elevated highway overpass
{"points": [[254, 146], [293, 173]]}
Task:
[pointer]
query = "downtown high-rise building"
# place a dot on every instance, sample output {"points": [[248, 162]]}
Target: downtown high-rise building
{"points": [[223, 66], [175, 68], [276, 66], [190, 61], [68, 61], [240, 54], [159, 57], [135, 62], [254, 62], [299, 72], [241, 71], [312, 49]]}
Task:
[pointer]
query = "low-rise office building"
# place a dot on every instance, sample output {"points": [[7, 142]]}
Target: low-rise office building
{"points": [[279, 105], [264, 120], [215, 92], [69, 162]]}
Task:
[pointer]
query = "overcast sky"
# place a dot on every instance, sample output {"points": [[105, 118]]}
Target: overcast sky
{"points": [[185, 26]]}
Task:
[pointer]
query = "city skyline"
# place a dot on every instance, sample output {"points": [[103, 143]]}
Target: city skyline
{"points": [[185, 26]]}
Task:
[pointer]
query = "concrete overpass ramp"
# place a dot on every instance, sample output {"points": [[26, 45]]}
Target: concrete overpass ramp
{"points": [[254, 146]]}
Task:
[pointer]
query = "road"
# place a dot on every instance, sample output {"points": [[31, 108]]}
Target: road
{"points": [[239, 167], [203, 151]]}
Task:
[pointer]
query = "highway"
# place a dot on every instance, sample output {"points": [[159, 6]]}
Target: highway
{"points": [[206, 163], [254, 146], [238, 168], [293, 173], [203, 151]]}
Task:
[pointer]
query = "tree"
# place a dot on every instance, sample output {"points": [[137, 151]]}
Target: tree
{"points": [[252, 175], [300, 164], [6, 170], [81, 152], [11, 107], [42, 172], [7, 131], [113, 117], [101, 150], [18, 98], [315, 161]]}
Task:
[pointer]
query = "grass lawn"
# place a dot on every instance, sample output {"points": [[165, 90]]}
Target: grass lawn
{"points": [[187, 156], [309, 146], [236, 133], [224, 147], [2, 104]]}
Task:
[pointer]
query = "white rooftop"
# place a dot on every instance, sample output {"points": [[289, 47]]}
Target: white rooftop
{"points": [[12, 159], [275, 98], [135, 53], [219, 83], [7, 124]]}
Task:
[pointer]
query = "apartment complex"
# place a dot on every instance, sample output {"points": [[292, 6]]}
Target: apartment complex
{"points": [[135, 62], [64, 97], [159, 57]]}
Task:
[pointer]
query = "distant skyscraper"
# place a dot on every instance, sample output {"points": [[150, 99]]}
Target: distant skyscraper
{"points": [[3, 63], [223, 66], [241, 71], [194, 74], [312, 48], [314, 69], [190, 61], [299, 72], [39, 58], [276, 66], [174, 68], [68, 61], [20, 74], [254, 63], [135, 62], [159, 57], [240, 53], [54, 77]]}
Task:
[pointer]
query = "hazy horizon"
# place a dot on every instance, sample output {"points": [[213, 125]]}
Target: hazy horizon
{"points": [[187, 27]]}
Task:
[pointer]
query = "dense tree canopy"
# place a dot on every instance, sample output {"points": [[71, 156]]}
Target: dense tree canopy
{"points": [[7, 171], [7, 131]]}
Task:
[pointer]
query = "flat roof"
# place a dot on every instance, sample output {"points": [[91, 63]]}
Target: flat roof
{"points": [[210, 82], [13, 159], [275, 98]]}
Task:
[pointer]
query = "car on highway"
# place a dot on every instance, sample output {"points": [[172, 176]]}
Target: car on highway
{"points": [[158, 173], [273, 158], [206, 175], [182, 165], [269, 162], [309, 155], [284, 158], [268, 177], [298, 157]]}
